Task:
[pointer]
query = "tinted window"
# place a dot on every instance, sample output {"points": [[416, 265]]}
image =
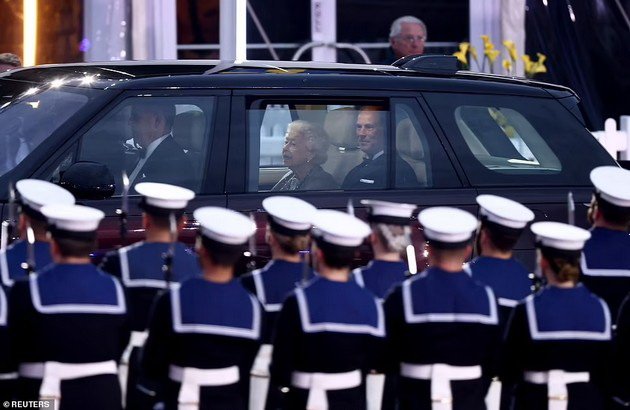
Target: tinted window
{"points": [[156, 139], [327, 145], [29, 120], [503, 140]]}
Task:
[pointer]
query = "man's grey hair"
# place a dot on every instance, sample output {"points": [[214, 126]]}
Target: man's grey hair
{"points": [[397, 25]]}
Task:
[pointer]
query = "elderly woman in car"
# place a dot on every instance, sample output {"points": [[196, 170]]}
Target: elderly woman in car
{"points": [[305, 149]]}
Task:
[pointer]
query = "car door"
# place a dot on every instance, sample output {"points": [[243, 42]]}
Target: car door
{"points": [[529, 149], [199, 120], [262, 120]]}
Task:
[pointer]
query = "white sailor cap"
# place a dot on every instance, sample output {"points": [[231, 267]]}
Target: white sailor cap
{"points": [[288, 215], [448, 226], [388, 212], [224, 225], [339, 228], [612, 184], [560, 236], [163, 198], [504, 211], [72, 219], [35, 193]]}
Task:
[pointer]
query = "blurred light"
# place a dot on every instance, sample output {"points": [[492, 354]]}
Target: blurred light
{"points": [[571, 13], [85, 45], [411, 260], [4, 105], [247, 254], [56, 83], [34, 104], [87, 80], [31, 91], [545, 3], [30, 32]]}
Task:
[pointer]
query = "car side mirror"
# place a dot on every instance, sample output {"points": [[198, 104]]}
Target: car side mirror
{"points": [[88, 180]]}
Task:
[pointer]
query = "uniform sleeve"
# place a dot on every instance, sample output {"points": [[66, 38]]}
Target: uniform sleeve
{"points": [[286, 342], [622, 353], [490, 366], [111, 264], [513, 353], [155, 358]]}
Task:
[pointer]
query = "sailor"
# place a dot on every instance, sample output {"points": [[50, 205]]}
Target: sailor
{"points": [[390, 237], [606, 260], [329, 332], [143, 272], [288, 233], [33, 195], [68, 323], [205, 332], [442, 326], [501, 224], [557, 341]]}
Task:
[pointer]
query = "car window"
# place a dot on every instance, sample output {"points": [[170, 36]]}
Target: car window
{"points": [[301, 145], [517, 140], [418, 146], [153, 139], [29, 120]]}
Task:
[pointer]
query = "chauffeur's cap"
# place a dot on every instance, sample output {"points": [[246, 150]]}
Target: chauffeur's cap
{"points": [[288, 215]]}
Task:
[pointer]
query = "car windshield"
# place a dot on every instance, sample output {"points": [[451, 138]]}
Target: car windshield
{"points": [[28, 120]]}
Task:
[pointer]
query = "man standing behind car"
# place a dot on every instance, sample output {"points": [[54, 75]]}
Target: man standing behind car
{"points": [[407, 36], [372, 173], [161, 158]]}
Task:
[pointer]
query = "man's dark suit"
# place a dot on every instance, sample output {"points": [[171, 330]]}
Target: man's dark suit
{"points": [[372, 174], [170, 165]]}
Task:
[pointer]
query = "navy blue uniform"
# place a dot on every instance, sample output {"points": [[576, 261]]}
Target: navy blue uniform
{"points": [[622, 353], [558, 329], [606, 266], [440, 320], [8, 369], [139, 266], [72, 314], [11, 260], [271, 285], [508, 279], [326, 327], [204, 325], [380, 277]]}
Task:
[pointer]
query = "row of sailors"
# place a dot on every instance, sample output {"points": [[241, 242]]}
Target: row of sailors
{"points": [[437, 336]]}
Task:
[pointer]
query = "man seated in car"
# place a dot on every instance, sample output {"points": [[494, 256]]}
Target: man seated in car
{"points": [[373, 171], [305, 149], [161, 158]]}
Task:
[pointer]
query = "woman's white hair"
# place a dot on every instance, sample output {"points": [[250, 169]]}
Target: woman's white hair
{"points": [[397, 25], [394, 238]]}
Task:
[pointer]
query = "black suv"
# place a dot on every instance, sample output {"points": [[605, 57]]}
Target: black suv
{"points": [[462, 134]]}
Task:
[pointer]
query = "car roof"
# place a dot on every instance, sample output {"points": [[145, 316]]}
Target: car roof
{"points": [[300, 74]]}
